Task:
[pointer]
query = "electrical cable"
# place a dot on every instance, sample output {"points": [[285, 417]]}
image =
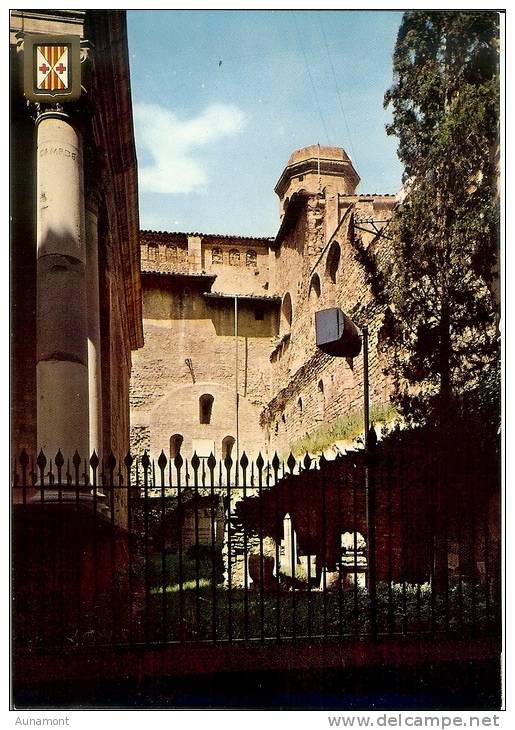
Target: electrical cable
{"points": [[311, 79], [338, 91]]}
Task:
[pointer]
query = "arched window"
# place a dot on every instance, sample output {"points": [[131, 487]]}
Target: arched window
{"points": [[234, 257], [314, 287], [351, 541], [175, 445], [216, 256], [333, 261], [205, 403], [227, 444], [251, 258], [321, 400], [286, 313], [152, 251], [299, 406]]}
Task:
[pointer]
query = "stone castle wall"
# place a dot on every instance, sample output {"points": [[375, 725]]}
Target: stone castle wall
{"points": [[312, 388], [190, 348], [287, 387]]}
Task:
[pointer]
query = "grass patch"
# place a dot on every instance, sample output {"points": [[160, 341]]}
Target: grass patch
{"points": [[214, 612], [344, 428], [197, 566], [188, 585], [210, 612]]}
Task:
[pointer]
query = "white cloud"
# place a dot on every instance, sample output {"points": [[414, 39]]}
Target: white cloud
{"points": [[172, 144]]}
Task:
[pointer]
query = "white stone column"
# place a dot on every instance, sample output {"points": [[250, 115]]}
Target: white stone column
{"points": [[62, 352], [93, 320], [290, 547]]}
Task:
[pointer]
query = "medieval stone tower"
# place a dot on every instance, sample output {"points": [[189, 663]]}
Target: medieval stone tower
{"points": [[318, 170], [230, 361]]}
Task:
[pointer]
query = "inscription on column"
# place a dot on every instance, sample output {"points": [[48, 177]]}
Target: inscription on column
{"points": [[62, 151]]}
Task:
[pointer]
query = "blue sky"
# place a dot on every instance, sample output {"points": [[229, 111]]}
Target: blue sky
{"points": [[222, 98]]}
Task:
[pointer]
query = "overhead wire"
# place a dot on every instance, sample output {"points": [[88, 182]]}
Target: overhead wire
{"points": [[315, 95], [339, 94]]}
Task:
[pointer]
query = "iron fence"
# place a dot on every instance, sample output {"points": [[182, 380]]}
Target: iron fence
{"points": [[142, 551]]}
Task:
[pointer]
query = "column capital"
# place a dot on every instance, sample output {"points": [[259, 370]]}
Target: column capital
{"points": [[20, 39], [56, 112]]}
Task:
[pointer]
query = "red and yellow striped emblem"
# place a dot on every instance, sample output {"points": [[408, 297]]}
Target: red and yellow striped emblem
{"points": [[52, 68]]}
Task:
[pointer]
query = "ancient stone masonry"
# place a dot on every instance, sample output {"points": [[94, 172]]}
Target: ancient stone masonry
{"points": [[233, 318], [312, 388], [210, 321]]}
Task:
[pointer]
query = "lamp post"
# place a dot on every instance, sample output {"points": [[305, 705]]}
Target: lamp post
{"points": [[366, 399], [236, 394], [337, 335]]}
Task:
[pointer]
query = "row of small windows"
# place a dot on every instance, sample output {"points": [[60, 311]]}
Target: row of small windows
{"points": [[171, 253], [177, 440], [234, 257]]}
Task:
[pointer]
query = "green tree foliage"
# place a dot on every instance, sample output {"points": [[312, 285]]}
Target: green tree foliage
{"points": [[441, 283]]}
